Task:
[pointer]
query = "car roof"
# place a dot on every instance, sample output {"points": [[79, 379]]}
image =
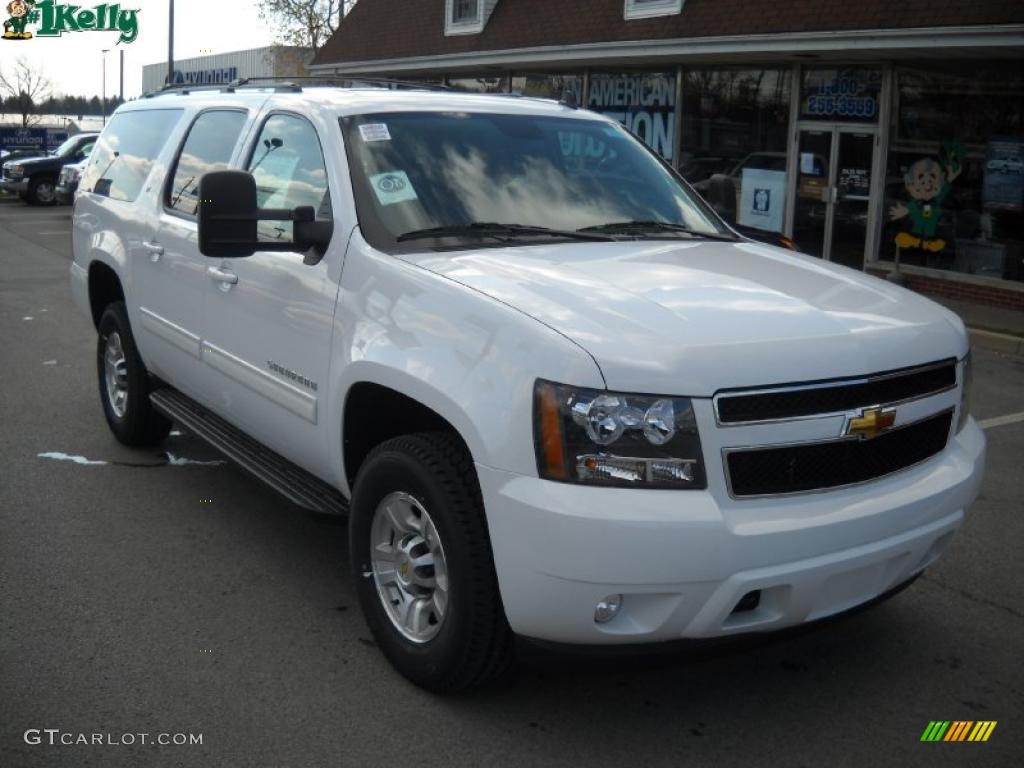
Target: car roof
{"points": [[362, 100]]}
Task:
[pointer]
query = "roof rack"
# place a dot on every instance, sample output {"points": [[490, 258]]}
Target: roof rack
{"points": [[295, 84]]}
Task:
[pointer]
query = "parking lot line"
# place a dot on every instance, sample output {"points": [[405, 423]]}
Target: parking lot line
{"points": [[1001, 421], [56, 232]]}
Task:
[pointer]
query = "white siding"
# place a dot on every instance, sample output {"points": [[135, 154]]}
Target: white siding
{"points": [[256, 62]]}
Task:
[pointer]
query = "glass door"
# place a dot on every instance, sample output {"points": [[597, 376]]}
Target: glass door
{"points": [[852, 195], [813, 208], [833, 192]]}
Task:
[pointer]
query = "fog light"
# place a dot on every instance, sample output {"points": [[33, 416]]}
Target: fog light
{"points": [[607, 609]]}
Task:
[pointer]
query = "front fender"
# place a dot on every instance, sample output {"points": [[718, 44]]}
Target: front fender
{"points": [[467, 357]]}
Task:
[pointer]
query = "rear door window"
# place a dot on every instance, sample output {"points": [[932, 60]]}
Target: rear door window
{"points": [[209, 146], [126, 150]]}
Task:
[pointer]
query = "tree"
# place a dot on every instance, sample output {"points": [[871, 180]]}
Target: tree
{"points": [[22, 86], [307, 23]]}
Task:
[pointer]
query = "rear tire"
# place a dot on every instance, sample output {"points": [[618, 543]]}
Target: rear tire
{"points": [[124, 382], [42, 190], [462, 638]]}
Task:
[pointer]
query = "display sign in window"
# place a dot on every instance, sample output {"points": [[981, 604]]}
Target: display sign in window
{"points": [[644, 102], [848, 95]]}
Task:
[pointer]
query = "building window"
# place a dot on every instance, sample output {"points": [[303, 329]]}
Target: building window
{"points": [[954, 191], [465, 11], [548, 85], [482, 84], [463, 17], [734, 137], [645, 9]]}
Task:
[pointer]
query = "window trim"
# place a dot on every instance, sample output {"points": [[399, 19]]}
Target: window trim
{"points": [[172, 169], [453, 27], [636, 9]]}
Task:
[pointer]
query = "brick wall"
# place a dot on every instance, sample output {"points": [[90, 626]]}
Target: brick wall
{"points": [[991, 296]]}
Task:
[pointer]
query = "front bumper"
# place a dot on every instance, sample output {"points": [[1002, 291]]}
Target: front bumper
{"points": [[683, 560], [19, 187], [66, 193]]}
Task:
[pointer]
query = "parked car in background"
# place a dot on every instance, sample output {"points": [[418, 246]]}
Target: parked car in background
{"points": [[35, 179], [67, 182]]}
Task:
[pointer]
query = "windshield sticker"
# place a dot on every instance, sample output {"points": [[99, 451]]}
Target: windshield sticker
{"points": [[393, 187], [375, 132]]}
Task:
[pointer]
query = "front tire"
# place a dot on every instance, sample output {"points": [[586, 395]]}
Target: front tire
{"points": [[42, 190], [124, 382], [422, 564]]}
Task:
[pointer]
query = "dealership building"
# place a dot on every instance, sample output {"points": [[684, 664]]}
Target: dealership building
{"points": [[871, 133], [271, 61]]}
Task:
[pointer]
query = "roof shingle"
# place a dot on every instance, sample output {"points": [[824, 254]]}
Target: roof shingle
{"points": [[391, 29]]}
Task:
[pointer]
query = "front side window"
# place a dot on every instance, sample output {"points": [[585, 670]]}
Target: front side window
{"points": [[210, 143], [125, 152], [288, 165], [421, 170]]}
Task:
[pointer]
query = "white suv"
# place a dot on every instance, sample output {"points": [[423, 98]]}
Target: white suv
{"points": [[558, 396]]}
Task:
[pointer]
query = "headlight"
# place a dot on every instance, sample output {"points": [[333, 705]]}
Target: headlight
{"points": [[967, 377], [598, 437], [16, 171]]}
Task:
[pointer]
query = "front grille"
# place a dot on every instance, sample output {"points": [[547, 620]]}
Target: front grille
{"points": [[836, 395], [815, 466]]}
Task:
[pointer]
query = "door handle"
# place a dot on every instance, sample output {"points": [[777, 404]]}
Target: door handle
{"points": [[155, 250], [222, 275]]}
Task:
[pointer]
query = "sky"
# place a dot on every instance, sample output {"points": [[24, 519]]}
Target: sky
{"points": [[74, 62]]}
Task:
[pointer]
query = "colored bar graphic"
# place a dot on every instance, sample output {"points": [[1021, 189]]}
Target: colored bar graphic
{"points": [[958, 730], [935, 730]]}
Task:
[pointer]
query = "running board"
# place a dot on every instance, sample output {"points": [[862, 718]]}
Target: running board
{"points": [[288, 479]]}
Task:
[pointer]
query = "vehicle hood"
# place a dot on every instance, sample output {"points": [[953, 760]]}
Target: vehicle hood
{"points": [[690, 318], [44, 161]]}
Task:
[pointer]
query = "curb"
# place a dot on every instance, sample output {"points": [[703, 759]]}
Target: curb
{"points": [[997, 342]]}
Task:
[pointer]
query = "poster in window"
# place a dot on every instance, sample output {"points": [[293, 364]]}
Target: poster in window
{"points": [[1003, 188], [762, 199], [645, 103]]}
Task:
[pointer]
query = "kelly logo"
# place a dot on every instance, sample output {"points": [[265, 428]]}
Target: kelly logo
{"points": [[54, 19]]}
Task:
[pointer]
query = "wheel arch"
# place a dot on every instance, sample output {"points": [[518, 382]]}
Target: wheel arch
{"points": [[374, 412], [104, 288]]}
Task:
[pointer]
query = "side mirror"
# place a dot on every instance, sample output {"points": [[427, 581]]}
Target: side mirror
{"points": [[228, 215]]}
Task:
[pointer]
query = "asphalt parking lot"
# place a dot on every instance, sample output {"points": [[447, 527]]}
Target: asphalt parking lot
{"points": [[149, 595]]}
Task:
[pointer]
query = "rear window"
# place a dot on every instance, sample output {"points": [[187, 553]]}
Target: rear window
{"points": [[125, 152], [209, 146]]}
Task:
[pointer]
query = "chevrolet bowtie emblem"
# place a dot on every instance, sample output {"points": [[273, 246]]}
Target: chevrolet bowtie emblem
{"points": [[869, 422]]}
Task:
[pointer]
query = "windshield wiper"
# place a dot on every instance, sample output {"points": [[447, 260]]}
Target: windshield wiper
{"points": [[645, 227], [496, 230]]}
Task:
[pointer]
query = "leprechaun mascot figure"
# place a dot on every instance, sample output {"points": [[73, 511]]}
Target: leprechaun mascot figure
{"points": [[14, 27], [928, 183]]}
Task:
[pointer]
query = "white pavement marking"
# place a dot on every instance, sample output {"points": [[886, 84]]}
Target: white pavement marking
{"points": [[27, 317], [176, 461], [67, 457], [56, 232], [1002, 421], [49, 362]]}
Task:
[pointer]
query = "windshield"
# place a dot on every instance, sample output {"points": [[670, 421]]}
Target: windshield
{"points": [[551, 177], [66, 147]]}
